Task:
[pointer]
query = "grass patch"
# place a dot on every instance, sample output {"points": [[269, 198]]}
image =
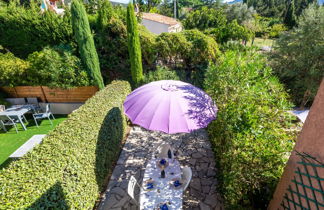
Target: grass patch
{"points": [[260, 42], [11, 141]]}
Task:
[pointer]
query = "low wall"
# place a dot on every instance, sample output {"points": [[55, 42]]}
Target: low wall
{"points": [[51, 95], [62, 108]]}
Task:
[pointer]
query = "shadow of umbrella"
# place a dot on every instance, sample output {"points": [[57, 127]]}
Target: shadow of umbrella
{"points": [[53, 198]]}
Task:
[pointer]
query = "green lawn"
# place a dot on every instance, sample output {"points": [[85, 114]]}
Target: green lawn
{"points": [[259, 42], [11, 141]]}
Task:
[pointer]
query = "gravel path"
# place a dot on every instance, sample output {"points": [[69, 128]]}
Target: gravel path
{"points": [[195, 151]]}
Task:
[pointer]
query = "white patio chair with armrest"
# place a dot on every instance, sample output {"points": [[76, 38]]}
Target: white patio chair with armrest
{"points": [[47, 114], [131, 189], [186, 176], [5, 120], [163, 150]]}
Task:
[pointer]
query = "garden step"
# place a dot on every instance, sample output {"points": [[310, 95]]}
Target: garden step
{"points": [[27, 146]]}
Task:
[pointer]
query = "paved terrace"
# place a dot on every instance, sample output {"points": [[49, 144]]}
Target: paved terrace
{"points": [[194, 150]]}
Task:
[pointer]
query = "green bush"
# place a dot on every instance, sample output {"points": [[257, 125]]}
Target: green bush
{"points": [[276, 30], [55, 69], [161, 73], [24, 30], [205, 18], [68, 170], [298, 56], [188, 49], [12, 70], [250, 136]]}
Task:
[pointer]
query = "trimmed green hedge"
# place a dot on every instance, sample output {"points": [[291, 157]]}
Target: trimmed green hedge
{"points": [[68, 169]]}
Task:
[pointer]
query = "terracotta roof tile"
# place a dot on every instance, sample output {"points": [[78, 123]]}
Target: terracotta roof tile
{"points": [[160, 18]]}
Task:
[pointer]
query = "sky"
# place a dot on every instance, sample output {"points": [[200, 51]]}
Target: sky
{"points": [[121, 1]]}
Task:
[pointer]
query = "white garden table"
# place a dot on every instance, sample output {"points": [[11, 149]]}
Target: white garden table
{"points": [[18, 113], [162, 192]]}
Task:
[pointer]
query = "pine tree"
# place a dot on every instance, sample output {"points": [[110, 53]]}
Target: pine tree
{"points": [[290, 18], [134, 47], [87, 49]]}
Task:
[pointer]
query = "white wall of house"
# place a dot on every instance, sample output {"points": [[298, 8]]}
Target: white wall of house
{"points": [[175, 28], [155, 27]]}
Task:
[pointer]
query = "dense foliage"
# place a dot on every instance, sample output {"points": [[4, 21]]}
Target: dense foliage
{"points": [[85, 42], [298, 58], [239, 12], [12, 70], [54, 68], [205, 18], [49, 67], [213, 21], [280, 8], [68, 170], [24, 30], [134, 46], [250, 136]]}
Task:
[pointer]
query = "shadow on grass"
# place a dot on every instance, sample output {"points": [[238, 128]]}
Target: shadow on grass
{"points": [[54, 198], [108, 145]]}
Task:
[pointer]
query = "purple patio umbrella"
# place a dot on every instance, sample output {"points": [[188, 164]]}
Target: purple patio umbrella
{"points": [[170, 106]]}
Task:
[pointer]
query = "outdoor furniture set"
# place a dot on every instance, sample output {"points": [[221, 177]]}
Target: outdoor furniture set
{"points": [[16, 113], [171, 107], [164, 181]]}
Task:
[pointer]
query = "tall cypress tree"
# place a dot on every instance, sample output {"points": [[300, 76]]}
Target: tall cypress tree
{"points": [[87, 49], [105, 13], [290, 18], [134, 47]]}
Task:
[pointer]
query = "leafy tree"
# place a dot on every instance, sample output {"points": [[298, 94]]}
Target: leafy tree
{"points": [[13, 70], [55, 68], [134, 47], [239, 12], [278, 8], [290, 18], [85, 42], [205, 18], [298, 57]]}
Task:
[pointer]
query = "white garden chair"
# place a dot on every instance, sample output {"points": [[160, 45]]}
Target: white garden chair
{"points": [[131, 188], [186, 176], [47, 114]]}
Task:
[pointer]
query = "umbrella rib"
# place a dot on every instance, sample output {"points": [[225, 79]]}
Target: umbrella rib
{"points": [[156, 108], [170, 101], [184, 115], [138, 113]]}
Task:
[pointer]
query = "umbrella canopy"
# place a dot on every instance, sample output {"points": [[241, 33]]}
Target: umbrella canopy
{"points": [[170, 106]]}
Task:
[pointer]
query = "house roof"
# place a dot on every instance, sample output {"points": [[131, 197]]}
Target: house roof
{"points": [[160, 18]]}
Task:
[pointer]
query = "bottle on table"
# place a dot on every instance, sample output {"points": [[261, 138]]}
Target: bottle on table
{"points": [[162, 174]]}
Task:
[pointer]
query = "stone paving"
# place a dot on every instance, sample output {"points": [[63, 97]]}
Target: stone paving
{"points": [[193, 150]]}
